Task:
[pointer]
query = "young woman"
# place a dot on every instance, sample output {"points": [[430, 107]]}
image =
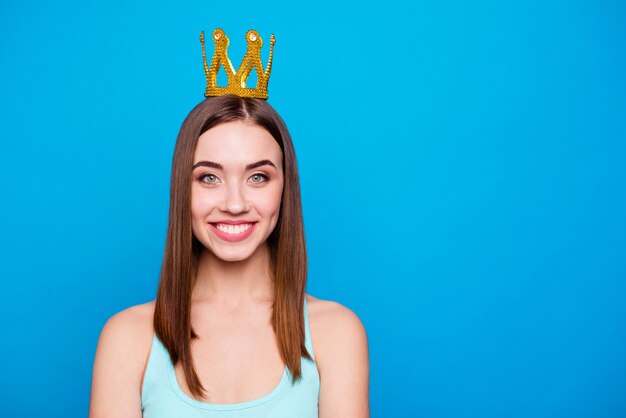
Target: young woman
{"points": [[232, 332]]}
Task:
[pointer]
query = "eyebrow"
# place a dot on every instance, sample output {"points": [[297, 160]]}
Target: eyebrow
{"points": [[218, 166], [259, 164], [209, 164]]}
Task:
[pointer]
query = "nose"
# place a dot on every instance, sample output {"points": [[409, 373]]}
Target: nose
{"points": [[234, 200]]}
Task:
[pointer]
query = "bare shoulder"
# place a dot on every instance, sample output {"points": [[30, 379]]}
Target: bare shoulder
{"points": [[120, 362], [128, 334], [128, 331], [331, 318], [341, 353], [135, 318]]}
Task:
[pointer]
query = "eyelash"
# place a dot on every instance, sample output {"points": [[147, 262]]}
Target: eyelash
{"points": [[265, 177]]}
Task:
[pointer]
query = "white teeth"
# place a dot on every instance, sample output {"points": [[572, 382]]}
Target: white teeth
{"points": [[233, 229]]}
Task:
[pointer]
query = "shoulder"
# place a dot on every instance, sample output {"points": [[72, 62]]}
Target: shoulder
{"points": [[341, 353], [332, 319], [127, 335], [120, 362], [129, 328], [133, 318], [331, 322]]}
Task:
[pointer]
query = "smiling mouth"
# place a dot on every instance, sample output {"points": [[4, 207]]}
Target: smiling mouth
{"points": [[232, 229]]}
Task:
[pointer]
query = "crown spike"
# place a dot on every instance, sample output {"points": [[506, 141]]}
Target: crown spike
{"points": [[237, 79], [268, 69], [206, 67]]}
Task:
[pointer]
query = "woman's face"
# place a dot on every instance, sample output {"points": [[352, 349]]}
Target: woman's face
{"points": [[237, 184]]}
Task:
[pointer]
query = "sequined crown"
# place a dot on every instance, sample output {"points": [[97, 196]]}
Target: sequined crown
{"points": [[237, 79]]}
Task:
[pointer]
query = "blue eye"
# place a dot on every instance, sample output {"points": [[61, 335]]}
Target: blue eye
{"points": [[208, 178], [259, 178]]}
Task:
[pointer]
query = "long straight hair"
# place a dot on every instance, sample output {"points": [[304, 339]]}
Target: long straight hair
{"points": [[288, 259]]}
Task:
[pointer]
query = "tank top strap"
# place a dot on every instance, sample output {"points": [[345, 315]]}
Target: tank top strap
{"points": [[156, 370], [308, 342]]}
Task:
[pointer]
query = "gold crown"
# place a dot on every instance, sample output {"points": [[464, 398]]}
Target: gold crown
{"points": [[237, 79]]}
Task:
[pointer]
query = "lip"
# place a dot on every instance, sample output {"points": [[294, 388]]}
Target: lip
{"points": [[233, 222], [233, 237]]}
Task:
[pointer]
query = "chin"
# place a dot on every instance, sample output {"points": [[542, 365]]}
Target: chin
{"points": [[231, 257], [235, 253]]}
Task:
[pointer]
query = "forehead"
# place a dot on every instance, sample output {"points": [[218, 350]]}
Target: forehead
{"points": [[237, 142]]}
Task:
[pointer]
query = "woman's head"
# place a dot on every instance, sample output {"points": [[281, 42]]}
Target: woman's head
{"points": [[210, 122], [250, 121]]}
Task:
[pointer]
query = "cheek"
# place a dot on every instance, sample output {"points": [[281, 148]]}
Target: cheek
{"points": [[200, 205], [273, 201], [195, 207], [267, 201]]}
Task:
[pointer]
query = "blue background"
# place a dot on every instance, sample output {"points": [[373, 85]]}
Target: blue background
{"points": [[463, 175]]}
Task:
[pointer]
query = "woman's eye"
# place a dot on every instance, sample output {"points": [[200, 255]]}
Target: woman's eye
{"points": [[209, 178], [258, 178]]}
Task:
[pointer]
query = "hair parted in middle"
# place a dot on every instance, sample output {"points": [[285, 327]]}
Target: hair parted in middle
{"points": [[288, 259]]}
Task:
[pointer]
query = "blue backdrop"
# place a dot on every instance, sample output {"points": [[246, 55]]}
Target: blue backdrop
{"points": [[463, 178]]}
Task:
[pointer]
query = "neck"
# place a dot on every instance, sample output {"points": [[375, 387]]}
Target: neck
{"points": [[233, 283]]}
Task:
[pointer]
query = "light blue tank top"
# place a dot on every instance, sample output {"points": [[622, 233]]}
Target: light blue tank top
{"points": [[162, 397]]}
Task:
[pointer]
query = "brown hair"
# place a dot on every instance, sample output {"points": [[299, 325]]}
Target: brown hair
{"points": [[288, 260]]}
